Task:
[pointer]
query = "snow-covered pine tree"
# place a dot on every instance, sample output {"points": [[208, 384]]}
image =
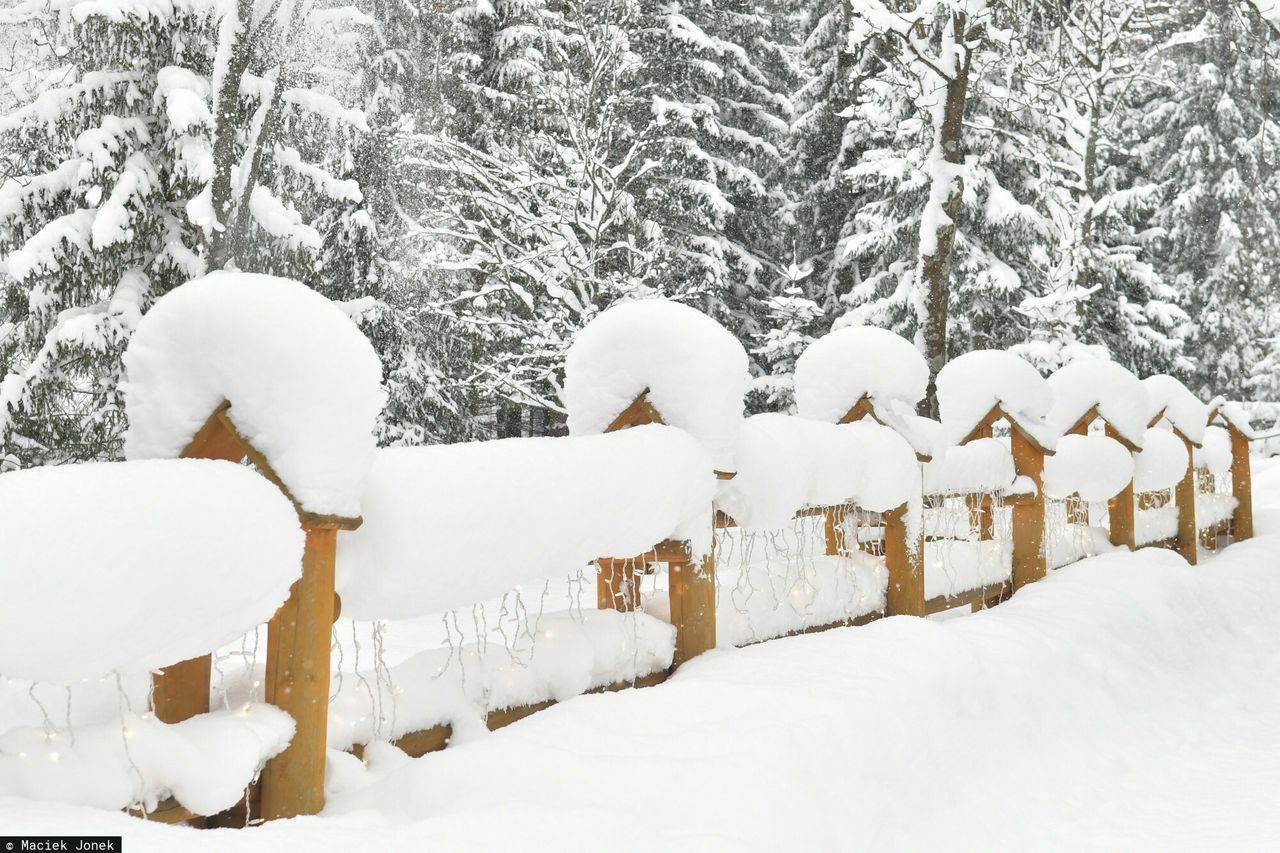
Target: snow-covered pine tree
{"points": [[171, 138], [1203, 131]]}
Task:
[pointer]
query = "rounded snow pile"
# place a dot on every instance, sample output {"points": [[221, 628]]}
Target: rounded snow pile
{"points": [[984, 465], [130, 566], [1094, 467], [1162, 462], [787, 463], [1179, 406], [969, 386], [694, 370], [1118, 395], [303, 382], [1215, 453], [449, 525], [837, 370]]}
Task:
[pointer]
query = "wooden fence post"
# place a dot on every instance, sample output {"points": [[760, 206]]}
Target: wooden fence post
{"points": [[691, 586], [1185, 497], [298, 681], [1121, 510], [1029, 563], [1241, 486], [905, 595], [833, 530]]}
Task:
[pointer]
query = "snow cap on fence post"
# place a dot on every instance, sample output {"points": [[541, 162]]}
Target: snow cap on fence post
{"points": [[238, 364], [982, 387], [677, 361], [865, 371], [1241, 433], [1173, 404]]}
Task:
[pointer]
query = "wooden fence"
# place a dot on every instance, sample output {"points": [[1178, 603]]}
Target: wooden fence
{"points": [[298, 662]]}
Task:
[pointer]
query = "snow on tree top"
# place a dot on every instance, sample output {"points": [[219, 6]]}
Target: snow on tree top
{"points": [[787, 463], [303, 382], [971, 385], [1171, 400], [1119, 397], [1162, 462], [693, 370], [1094, 467], [842, 367], [130, 566], [507, 511]]}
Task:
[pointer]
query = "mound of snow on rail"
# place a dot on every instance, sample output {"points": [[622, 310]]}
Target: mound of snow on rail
{"points": [[694, 370], [303, 382], [130, 566], [788, 463], [1162, 463], [205, 763], [956, 566], [1119, 397], [971, 385], [568, 654], [982, 465], [840, 368], [1215, 453], [1182, 409], [1094, 467], [450, 525]]}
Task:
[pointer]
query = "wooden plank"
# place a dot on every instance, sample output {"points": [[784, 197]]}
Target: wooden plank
{"points": [[692, 590], [833, 530], [298, 643], [980, 598], [638, 413], [180, 691], [168, 811], [618, 584], [905, 594], [1029, 563], [1185, 497], [1241, 486], [1121, 510], [1081, 427]]}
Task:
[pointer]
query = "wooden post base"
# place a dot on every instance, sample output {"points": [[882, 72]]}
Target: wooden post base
{"points": [[298, 671], [905, 595], [692, 587]]}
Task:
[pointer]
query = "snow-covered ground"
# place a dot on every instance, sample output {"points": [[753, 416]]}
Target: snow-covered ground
{"points": [[1127, 702]]}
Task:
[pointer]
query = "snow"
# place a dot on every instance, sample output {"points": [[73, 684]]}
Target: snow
{"points": [[1171, 399], [842, 367], [450, 525], [567, 654], [276, 219], [130, 566], [1213, 509], [1159, 524], [303, 382], [770, 586], [205, 762], [1215, 453], [1158, 682], [694, 369], [1233, 414], [954, 566], [786, 463], [1094, 467], [982, 465], [1162, 463], [1119, 396], [969, 386]]}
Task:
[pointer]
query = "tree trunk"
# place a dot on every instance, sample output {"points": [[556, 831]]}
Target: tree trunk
{"points": [[936, 267]]}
